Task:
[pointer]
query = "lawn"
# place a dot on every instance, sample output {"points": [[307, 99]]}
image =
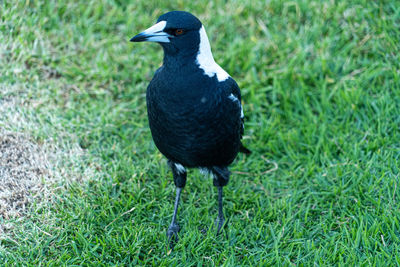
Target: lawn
{"points": [[320, 85]]}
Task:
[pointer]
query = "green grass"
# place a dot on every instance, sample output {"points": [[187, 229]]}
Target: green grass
{"points": [[321, 91]]}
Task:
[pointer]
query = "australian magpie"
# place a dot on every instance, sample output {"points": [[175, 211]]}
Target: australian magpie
{"points": [[193, 105]]}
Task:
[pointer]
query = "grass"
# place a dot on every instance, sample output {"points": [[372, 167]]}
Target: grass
{"points": [[321, 90]]}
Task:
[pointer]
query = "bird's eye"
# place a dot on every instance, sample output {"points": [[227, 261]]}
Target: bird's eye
{"points": [[179, 31]]}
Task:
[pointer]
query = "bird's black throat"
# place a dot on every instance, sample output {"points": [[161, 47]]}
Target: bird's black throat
{"points": [[179, 61]]}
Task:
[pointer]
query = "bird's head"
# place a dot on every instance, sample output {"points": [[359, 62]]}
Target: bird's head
{"points": [[178, 32]]}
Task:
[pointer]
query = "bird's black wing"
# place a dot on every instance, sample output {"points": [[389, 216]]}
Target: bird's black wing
{"points": [[235, 91]]}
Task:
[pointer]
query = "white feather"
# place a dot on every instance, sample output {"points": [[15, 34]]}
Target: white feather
{"points": [[206, 61], [180, 168], [206, 172], [234, 99]]}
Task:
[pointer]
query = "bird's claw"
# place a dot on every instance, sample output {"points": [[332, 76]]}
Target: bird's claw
{"points": [[172, 235]]}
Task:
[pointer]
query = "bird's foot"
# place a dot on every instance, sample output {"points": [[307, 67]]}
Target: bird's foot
{"points": [[219, 223], [172, 234]]}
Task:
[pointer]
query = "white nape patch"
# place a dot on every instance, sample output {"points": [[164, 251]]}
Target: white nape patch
{"points": [[179, 167], [234, 98], [206, 60], [156, 33]]}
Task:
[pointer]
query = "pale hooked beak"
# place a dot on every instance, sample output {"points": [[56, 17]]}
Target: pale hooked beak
{"points": [[153, 34]]}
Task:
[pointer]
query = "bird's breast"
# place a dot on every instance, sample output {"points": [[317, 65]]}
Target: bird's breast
{"points": [[194, 129]]}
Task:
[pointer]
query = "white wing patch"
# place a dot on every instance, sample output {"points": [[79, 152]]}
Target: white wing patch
{"points": [[206, 60], [234, 99]]}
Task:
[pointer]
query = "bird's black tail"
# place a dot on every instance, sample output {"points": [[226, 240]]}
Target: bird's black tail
{"points": [[244, 149]]}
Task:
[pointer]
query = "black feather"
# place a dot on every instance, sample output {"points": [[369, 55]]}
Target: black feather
{"points": [[195, 119]]}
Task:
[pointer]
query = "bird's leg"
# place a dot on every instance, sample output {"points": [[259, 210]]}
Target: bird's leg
{"points": [[179, 174], [221, 219], [174, 228], [221, 178]]}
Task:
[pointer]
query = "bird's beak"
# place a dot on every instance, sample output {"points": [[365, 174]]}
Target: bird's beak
{"points": [[153, 34]]}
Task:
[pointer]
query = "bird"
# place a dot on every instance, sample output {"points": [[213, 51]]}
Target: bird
{"points": [[194, 107]]}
